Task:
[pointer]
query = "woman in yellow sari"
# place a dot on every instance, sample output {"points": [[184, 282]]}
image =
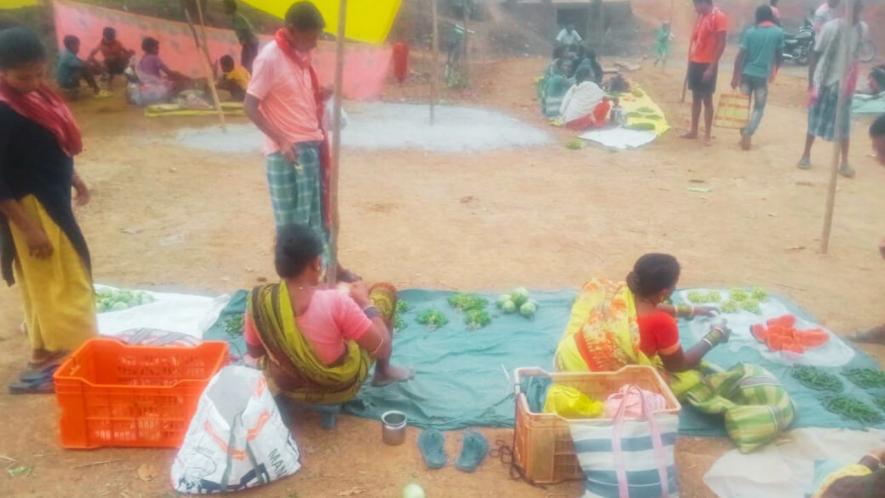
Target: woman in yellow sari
{"points": [[318, 345], [617, 324]]}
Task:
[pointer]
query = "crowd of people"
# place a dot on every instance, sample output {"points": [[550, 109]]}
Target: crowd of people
{"points": [[149, 79]]}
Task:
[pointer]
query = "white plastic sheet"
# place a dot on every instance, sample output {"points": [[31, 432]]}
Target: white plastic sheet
{"points": [[834, 353], [620, 138], [183, 313], [787, 470]]}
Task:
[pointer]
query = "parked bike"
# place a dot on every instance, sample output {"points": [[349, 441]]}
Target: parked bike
{"points": [[798, 46]]}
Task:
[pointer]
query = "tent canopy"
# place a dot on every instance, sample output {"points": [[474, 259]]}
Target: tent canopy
{"points": [[17, 4], [367, 20]]}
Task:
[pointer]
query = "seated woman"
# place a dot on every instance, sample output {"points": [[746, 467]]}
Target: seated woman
{"points": [[590, 62], [317, 345], [617, 324], [156, 82], [585, 104], [554, 86], [864, 479]]}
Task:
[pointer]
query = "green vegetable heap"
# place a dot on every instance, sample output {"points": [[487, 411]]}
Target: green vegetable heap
{"points": [[119, 300], [853, 409], [233, 325], [402, 307], [866, 378], [814, 378], [518, 300], [474, 309], [738, 300], [432, 319]]}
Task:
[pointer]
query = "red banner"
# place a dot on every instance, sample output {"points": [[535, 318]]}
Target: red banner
{"points": [[365, 67]]}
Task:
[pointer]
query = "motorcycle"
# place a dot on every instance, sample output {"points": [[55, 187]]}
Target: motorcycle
{"points": [[798, 46]]}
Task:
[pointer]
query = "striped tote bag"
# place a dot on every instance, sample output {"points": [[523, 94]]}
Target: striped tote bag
{"points": [[628, 457]]}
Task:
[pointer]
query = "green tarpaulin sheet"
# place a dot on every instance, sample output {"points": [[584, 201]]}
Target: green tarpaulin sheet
{"points": [[460, 374]]}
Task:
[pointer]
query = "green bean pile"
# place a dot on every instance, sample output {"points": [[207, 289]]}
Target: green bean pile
{"points": [[817, 379], [866, 378], [853, 409]]}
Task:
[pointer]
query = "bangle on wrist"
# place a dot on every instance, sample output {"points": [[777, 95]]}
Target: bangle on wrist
{"points": [[708, 341], [372, 312]]}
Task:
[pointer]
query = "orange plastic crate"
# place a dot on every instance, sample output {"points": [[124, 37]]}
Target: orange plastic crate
{"points": [[543, 448], [114, 394]]}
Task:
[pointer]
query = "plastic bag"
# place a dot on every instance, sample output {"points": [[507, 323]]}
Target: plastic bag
{"points": [[569, 402], [237, 439]]}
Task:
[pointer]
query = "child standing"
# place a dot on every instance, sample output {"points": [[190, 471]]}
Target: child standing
{"points": [[40, 242], [72, 69], [663, 37]]}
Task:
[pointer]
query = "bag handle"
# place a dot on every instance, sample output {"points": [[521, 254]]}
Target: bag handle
{"points": [[657, 442]]}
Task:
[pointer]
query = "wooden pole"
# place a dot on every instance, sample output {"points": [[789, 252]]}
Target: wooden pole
{"points": [[434, 70], [332, 272], [465, 69], [206, 61], [841, 109]]}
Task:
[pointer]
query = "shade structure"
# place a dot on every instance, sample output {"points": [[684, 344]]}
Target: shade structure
{"points": [[17, 4], [368, 21]]}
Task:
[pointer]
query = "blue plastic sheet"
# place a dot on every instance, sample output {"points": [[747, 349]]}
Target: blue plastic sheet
{"points": [[462, 375]]}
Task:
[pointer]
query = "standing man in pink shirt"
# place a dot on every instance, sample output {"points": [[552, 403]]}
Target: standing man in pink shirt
{"points": [[286, 102]]}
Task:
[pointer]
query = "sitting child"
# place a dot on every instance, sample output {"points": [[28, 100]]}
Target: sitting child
{"points": [[234, 79], [115, 57], [585, 104], [156, 81], [71, 69]]}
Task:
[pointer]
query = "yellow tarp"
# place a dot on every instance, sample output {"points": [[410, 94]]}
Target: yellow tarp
{"points": [[367, 20], [642, 111], [17, 4]]}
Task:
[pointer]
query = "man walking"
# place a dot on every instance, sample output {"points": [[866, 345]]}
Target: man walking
{"points": [[707, 46], [829, 62], [286, 103], [756, 65]]}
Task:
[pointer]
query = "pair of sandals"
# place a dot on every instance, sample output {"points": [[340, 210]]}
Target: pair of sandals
{"points": [[37, 379], [844, 170], [432, 444]]}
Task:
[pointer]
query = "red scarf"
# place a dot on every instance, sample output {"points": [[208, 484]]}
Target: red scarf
{"points": [[325, 151], [47, 109]]}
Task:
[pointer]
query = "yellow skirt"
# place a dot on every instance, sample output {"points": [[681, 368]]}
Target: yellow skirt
{"points": [[57, 291]]}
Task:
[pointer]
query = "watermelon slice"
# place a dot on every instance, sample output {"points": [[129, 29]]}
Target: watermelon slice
{"points": [[786, 321], [812, 338], [759, 332]]}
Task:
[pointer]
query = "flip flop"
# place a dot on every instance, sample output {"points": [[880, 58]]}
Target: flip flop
{"points": [[38, 374], [474, 449], [46, 386], [432, 445], [804, 163]]}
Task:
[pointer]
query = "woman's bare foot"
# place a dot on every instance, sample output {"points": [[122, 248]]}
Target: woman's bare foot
{"points": [[692, 135], [708, 141], [392, 375]]}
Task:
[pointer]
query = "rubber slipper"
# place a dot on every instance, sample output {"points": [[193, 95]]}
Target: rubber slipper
{"points": [[38, 374], [474, 449], [804, 164], [40, 387], [432, 445]]}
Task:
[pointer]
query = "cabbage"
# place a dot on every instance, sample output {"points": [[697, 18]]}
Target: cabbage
{"points": [[528, 309], [414, 491], [509, 307], [520, 296]]}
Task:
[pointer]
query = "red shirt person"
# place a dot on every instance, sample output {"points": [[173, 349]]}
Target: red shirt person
{"points": [[707, 46]]}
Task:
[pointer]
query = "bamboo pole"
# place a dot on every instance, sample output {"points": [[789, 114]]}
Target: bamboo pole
{"points": [[332, 273], [465, 69], [206, 61], [841, 109], [434, 71]]}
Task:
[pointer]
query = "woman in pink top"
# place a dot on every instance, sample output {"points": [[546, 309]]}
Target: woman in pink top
{"points": [[317, 345]]}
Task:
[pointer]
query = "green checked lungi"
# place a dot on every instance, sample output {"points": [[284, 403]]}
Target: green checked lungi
{"points": [[296, 190]]}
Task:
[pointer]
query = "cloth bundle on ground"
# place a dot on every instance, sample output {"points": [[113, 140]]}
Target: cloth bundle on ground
{"points": [[755, 404]]}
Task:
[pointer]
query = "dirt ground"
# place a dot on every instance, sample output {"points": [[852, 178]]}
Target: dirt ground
{"points": [[164, 217]]}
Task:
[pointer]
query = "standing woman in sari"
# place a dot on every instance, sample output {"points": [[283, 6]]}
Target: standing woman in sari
{"points": [[617, 324], [41, 245]]}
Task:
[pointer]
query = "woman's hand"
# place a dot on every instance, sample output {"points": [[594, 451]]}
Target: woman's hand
{"points": [[719, 333], [704, 311], [82, 190], [38, 242], [360, 293]]}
